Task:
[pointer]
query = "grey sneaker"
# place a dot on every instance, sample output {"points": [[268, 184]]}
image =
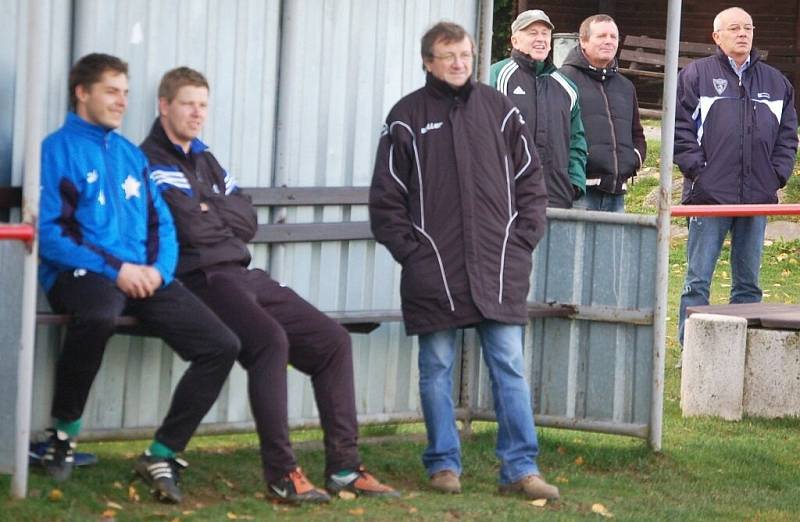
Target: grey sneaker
{"points": [[532, 487], [446, 481], [59, 457]]}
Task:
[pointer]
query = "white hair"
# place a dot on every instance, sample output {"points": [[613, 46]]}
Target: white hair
{"points": [[718, 18]]}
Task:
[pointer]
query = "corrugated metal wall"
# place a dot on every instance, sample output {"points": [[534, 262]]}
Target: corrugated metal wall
{"points": [[342, 65], [598, 368]]}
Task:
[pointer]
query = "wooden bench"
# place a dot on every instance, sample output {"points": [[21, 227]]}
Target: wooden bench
{"points": [[643, 57], [280, 232]]}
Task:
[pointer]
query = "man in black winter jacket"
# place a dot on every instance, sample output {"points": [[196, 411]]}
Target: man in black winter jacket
{"points": [[214, 222], [610, 115], [458, 199]]}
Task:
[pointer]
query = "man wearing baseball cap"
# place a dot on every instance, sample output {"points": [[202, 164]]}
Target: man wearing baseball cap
{"points": [[549, 102]]}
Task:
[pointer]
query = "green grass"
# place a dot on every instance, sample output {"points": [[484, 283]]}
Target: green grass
{"points": [[708, 470]]}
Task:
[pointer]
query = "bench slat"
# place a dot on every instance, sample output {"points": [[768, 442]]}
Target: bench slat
{"points": [[304, 196], [297, 232]]}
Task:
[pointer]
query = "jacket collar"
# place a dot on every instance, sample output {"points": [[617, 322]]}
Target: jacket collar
{"points": [[754, 58], [441, 89], [160, 136], [78, 125], [535, 67], [577, 58]]}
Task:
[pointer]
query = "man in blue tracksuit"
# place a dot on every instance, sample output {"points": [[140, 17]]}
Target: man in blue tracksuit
{"points": [[108, 248], [735, 142]]}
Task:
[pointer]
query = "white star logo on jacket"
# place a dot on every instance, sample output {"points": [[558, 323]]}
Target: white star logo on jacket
{"points": [[131, 187]]}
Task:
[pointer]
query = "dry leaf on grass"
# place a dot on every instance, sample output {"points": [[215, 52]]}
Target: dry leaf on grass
{"points": [[357, 512], [412, 510], [561, 450], [113, 505], [561, 479], [55, 495], [260, 495], [347, 495], [187, 512], [579, 461], [117, 485], [233, 516], [109, 515], [133, 495], [226, 481], [542, 502], [601, 510]]}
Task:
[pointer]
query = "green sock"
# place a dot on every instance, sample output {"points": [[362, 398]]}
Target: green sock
{"points": [[71, 428], [343, 473], [159, 450]]}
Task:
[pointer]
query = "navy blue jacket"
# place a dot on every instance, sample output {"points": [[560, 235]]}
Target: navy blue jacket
{"points": [[98, 208], [735, 142]]}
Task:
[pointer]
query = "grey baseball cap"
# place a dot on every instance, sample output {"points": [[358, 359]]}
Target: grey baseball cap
{"points": [[528, 17]]}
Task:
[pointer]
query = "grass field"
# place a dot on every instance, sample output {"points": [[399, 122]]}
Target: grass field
{"points": [[708, 469]]}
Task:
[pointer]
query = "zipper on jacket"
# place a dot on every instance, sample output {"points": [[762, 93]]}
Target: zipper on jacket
{"points": [[613, 136]]}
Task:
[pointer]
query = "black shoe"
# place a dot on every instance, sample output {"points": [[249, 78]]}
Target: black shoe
{"points": [[162, 475], [294, 488], [59, 457]]}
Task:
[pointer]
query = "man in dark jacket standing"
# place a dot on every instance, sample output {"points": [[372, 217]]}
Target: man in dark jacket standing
{"points": [[458, 198], [735, 142], [549, 103], [610, 115], [214, 221]]}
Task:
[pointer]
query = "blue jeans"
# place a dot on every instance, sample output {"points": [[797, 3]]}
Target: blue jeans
{"points": [[599, 200], [706, 236], [517, 446]]}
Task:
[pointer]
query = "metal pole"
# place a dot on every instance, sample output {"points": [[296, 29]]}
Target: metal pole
{"points": [[485, 18], [664, 200], [34, 114]]}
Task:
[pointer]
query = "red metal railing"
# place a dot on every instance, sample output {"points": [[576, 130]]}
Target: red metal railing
{"points": [[735, 210], [22, 232]]}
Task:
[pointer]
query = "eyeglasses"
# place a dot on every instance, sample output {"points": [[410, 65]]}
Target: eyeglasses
{"points": [[451, 57], [737, 28]]}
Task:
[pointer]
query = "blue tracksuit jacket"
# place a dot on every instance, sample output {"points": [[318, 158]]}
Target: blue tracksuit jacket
{"points": [[98, 208]]}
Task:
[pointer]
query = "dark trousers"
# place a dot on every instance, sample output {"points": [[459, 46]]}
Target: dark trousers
{"points": [[277, 327], [174, 314]]}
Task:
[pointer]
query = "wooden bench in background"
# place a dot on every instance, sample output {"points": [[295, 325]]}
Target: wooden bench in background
{"points": [[356, 321], [642, 58]]}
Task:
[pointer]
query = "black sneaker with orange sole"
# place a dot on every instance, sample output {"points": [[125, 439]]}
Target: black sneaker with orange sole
{"points": [[295, 488], [360, 482]]}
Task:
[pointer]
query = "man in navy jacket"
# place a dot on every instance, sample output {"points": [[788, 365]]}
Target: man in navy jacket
{"points": [[107, 247], [735, 143]]}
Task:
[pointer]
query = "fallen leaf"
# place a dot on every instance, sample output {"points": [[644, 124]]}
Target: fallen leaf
{"points": [[357, 512], [412, 510], [187, 512], [601, 510], [55, 495], [113, 505], [561, 479], [413, 494], [542, 502], [561, 450], [133, 495], [226, 481], [117, 485], [109, 515], [579, 460], [232, 516], [259, 495], [347, 495]]}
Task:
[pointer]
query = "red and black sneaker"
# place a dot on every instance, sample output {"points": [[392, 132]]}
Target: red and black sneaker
{"points": [[359, 482], [295, 488]]}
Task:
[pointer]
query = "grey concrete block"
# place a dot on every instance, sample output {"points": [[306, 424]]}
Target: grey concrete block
{"points": [[712, 375], [772, 373]]}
